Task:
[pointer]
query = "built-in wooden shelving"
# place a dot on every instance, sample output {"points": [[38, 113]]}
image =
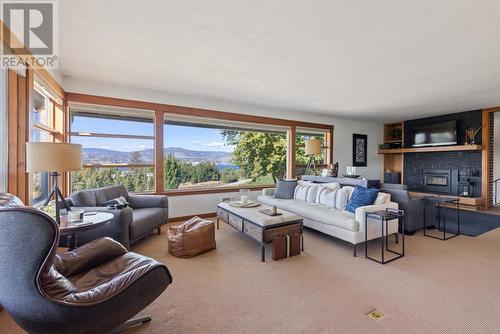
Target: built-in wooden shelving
{"points": [[432, 149], [466, 203]]}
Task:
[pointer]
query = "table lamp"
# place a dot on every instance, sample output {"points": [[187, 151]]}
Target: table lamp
{"points": [[54, 158], [313, 147]]}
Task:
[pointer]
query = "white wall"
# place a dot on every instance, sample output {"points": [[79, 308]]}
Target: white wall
{"points": [[182, 205]]}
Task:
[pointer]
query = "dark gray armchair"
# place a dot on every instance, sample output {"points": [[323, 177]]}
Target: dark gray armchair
{"points": [[413, 207], [146, 214], [95, 288]]}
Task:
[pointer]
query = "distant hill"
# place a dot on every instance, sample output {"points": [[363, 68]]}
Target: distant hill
{"points": [[101, 155]]}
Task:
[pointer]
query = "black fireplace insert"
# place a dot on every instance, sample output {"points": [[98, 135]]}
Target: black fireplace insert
{"points": [[441, 181]]}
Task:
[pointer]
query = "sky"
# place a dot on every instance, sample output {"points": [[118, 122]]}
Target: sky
{"points": [[191, 138]]}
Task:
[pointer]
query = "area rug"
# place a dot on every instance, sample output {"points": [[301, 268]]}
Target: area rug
{"points": [[472, 223]]}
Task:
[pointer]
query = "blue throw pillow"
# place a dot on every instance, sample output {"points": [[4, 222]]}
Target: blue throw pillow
{"points": [[361, 197]]}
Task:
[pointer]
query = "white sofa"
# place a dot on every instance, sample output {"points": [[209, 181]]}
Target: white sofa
{"points": [[341, 224]]}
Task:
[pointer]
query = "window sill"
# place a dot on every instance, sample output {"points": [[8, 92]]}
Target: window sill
{"points": [[202, 191]]}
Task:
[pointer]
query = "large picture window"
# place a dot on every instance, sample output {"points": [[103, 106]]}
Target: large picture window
{"points": [[205, 153], [117, 147], [180, 150]]}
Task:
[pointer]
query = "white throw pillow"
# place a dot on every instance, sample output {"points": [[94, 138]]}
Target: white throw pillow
{"points": [[301, 189], [326, 196], [382, 198], [305, 191], [311, 193], [349, 190], [341, 198], [330, 185]]}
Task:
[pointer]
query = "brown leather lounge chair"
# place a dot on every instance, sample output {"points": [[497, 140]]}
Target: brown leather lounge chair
{"points": [[94, 289]]}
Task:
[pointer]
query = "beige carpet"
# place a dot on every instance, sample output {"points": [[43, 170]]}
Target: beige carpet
{"points": [[439, 287]]}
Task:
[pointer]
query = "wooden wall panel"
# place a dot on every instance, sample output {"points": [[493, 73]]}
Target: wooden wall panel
{"points": [[22, 138], [17, 105], [13, 138], [486, 159]]}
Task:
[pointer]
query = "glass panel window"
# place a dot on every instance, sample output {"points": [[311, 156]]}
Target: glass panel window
{"points": [[201, 153], [42, 109], [42, 114], [315, 162], [117, 147], [99, 150], [80, 123], [135, 179]]}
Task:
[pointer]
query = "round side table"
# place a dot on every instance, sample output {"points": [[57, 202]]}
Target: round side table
{"points": [[72, 228]]}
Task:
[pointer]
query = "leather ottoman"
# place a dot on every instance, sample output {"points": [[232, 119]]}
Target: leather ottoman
{"points": [[194, 237]]}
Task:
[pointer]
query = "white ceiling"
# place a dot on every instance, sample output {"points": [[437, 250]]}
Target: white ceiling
{"points": [[363, 59]]}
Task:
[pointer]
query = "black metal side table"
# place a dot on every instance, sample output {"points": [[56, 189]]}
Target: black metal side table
{"points": [[384, 216], [441, 203]]}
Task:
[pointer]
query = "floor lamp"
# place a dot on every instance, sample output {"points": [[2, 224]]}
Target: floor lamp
{"points": [[313, 147], [54, 158]]}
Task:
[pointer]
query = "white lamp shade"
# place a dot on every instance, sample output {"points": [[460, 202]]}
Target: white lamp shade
{"points": [[313, 147], [53, 157]]}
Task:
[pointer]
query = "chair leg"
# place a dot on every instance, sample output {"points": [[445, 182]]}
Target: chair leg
{"points": [[159, 230], [132, 323], [396, 238], [353, 249]]}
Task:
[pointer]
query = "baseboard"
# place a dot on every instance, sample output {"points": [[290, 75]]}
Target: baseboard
{"points": [[183, 218]]}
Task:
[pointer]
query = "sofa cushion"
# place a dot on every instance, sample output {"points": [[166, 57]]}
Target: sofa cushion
{"points": [[269, 200], [321, 213], [301, 189], [9, 200], [382, 198], [285, 189], [105, 194], [326, 196], [314, 211], [349, 190], [397, 195], [361, 197], [341, 198], [305, 191], [145, 221], [83, 198]]}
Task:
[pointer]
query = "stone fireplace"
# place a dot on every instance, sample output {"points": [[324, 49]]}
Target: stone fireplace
{"points": [[443, 172]]}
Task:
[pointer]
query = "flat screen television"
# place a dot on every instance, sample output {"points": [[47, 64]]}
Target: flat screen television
{"points": [[436, 134]]}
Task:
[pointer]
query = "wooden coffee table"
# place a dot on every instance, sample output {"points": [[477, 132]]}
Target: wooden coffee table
{"points": [[258, 226]]}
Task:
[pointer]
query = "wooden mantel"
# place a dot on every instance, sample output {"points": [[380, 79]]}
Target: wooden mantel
{"points": [[432, 149]]}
